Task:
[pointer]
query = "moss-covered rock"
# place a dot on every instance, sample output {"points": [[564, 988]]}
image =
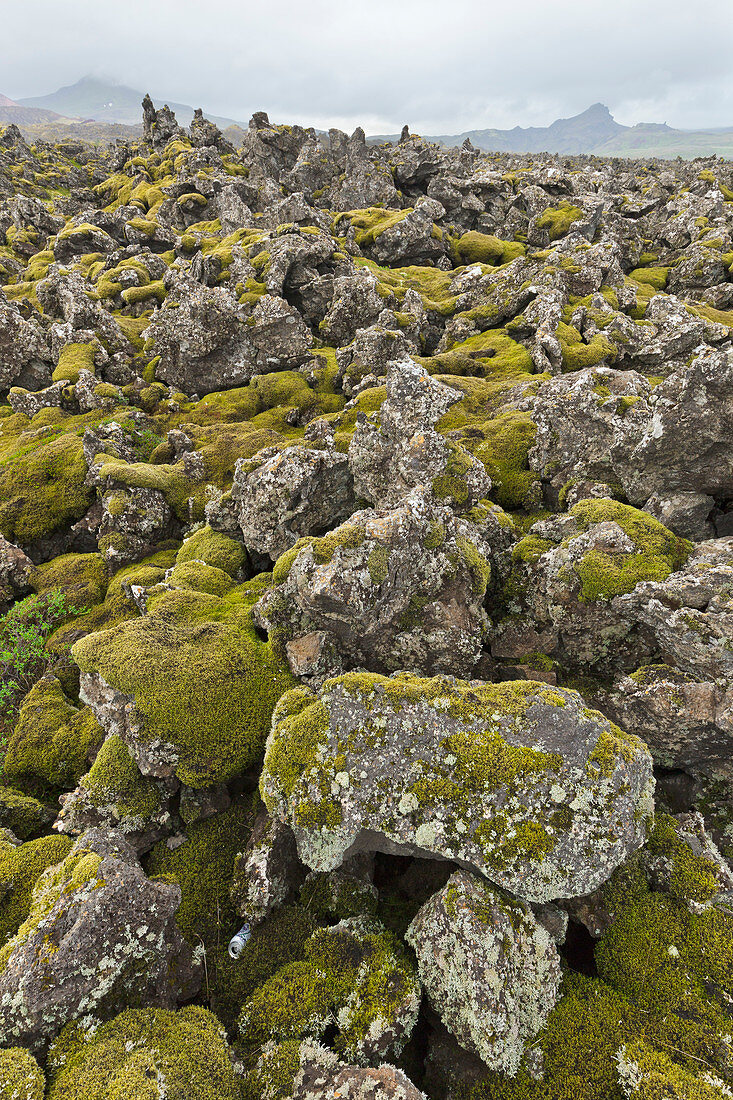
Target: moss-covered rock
{"points": [[113, 794], [53, 742], [568, 569], [21, 1078], [19, 870], [336, 895], [23, 815], [215, 549], [144, 1053], [98, 936], [656, 551], [203, 684], [382, 590], [42, 478], [517, 779], [81, 577], [647, 1074], [354, 972], [297, 1069], [490, 970]]}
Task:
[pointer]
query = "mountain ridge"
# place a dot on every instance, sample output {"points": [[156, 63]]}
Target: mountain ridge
{"points": [[107, 101], [593, 131]]}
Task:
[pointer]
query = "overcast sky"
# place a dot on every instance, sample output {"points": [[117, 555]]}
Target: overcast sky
{"points": [[442, 65]]}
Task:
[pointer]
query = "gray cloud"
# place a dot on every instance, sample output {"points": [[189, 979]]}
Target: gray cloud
{"points": [[442, 65]]}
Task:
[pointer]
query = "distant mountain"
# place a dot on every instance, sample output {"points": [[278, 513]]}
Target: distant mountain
{"points": [[105, 101], [5, 102], [595, 131], [578, 134]]}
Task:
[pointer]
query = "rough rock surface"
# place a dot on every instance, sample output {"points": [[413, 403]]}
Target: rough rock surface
{"points": [[282, 496], [399, 450], [266, 872], [516, 781], [401, 587], [489, 969], [96, 906], [316, 1071]]}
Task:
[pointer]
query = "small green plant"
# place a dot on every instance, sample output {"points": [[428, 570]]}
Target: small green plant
{"points": [[24, 630]]}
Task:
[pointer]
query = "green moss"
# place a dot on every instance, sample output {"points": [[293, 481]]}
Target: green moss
{"points": [[53, 740], [274, 1075], [200, 577], [484, 248], [531, 548], [202, 867], [577, 355], [144, 1053], [669, 961], [42, 487], [73, 359], [652, 1075], [275, 943], [203, 681], [299, 724], [19, 870], [134, 294], [658, 551], [23, 815], [349, 536], [558, 220], [476, 564], [115, 780], [370, 223], [432, 284], [655, 277], [215, 549], [21, 1078], [537, 660], [171, 481], [692, 877], [580, 1045], [491, 354], [378, 563], [360, 981], [283, 565], [435, 536], [333, 896], [505, 454], [81, 577]]}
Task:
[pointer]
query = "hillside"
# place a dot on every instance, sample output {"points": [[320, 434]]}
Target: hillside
{"points": [[28, 116], [106, 101], [579, 134]]}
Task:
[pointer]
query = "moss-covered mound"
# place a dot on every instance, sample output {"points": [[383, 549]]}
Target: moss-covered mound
{"points": [[20, 868], [21, 1078], [53, 742], [141, 1054], [657, 551], [203, 682], [355, 973]]}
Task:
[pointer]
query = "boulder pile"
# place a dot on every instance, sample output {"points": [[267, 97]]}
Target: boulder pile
{"points": [[366, 591]]}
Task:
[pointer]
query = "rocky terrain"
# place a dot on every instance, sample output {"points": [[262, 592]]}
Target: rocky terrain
{"points": [[366, 584]]}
